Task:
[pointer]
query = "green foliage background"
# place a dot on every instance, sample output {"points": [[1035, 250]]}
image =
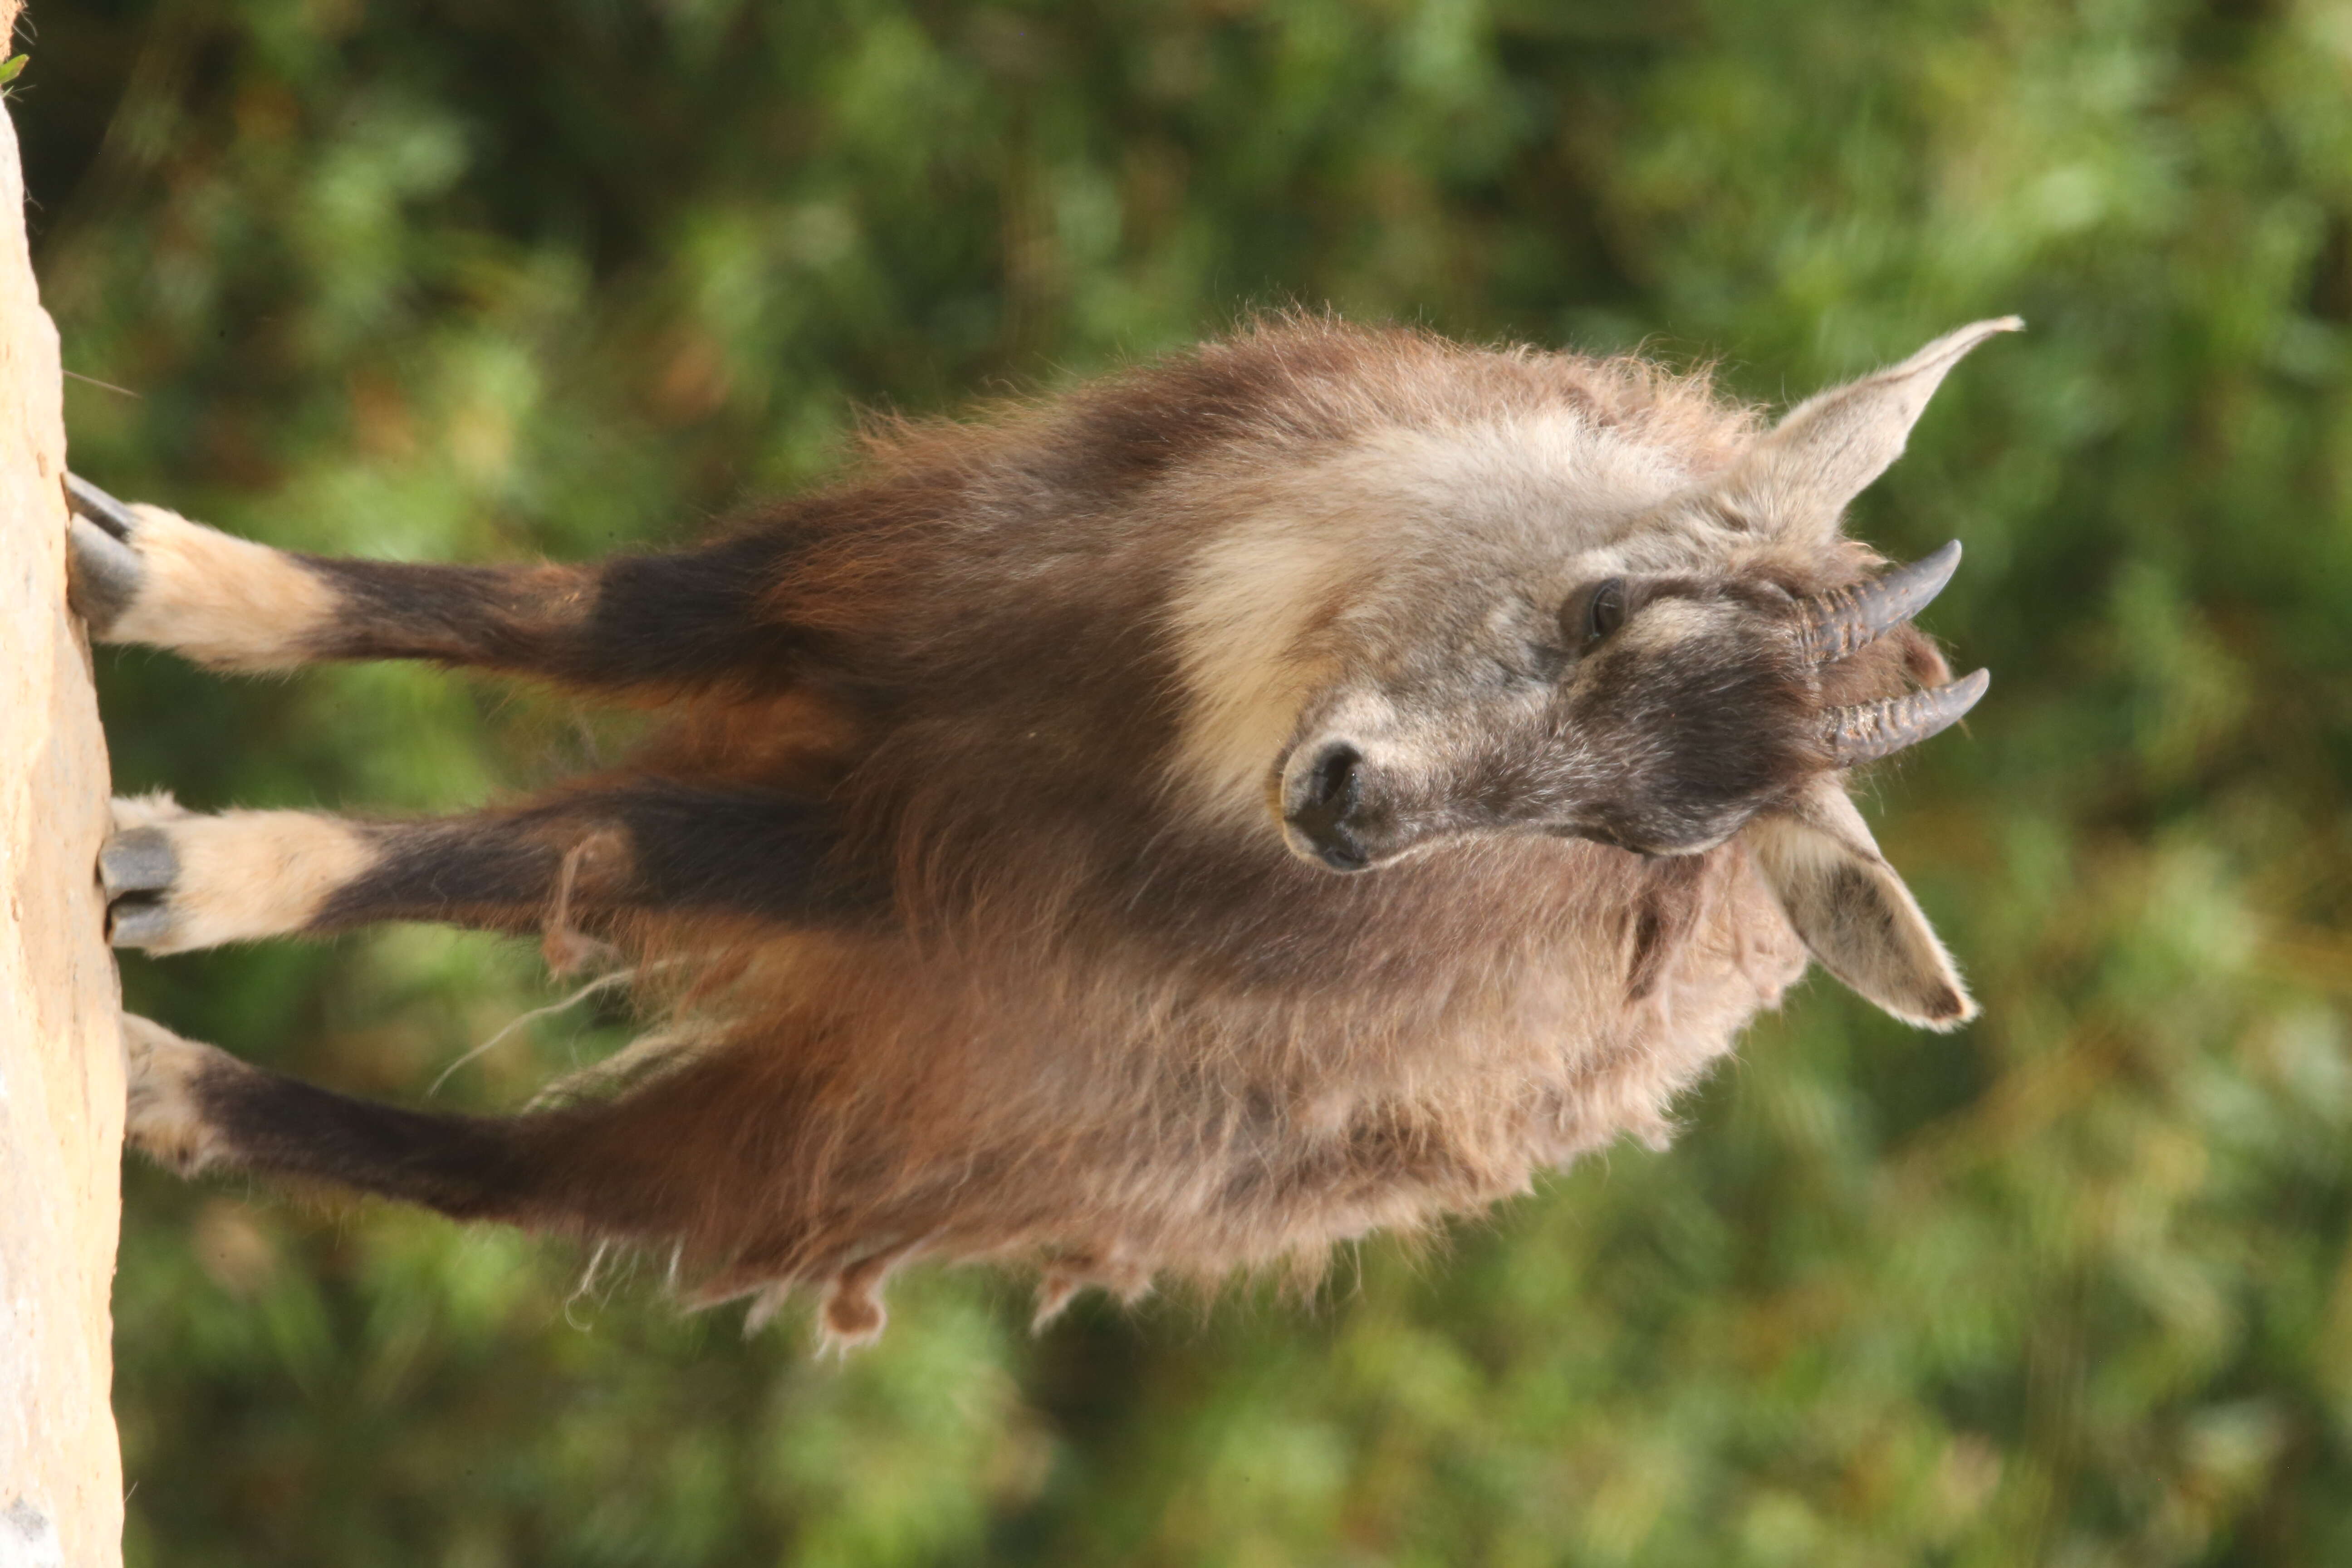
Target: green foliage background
{"points": [[469, 279]]}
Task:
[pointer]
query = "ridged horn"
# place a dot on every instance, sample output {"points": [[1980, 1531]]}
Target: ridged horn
{"points": [[1869, 731], [1844, 619]]}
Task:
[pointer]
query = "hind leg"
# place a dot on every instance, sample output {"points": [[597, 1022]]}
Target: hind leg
{"points": [[702, 1158], [196, 1108], [164, 1121], [685, 1155]]}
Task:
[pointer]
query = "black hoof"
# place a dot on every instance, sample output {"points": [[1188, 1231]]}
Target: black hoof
{"points": [[102, 575], [86, 500], [137, 922], [138, 860], [136, 867]]}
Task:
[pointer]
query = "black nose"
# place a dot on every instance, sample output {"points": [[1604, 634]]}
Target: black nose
{"points": [[1322, 811]]}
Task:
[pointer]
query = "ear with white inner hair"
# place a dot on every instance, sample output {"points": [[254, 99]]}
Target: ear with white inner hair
{"points": [[1829, 448], [1853, 911]]}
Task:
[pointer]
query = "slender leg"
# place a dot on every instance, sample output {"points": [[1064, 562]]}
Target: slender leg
{"points": [[194, 1107], [142, 575], [178, 881], [717, 1157]]}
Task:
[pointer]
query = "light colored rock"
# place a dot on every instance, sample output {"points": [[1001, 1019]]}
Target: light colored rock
{"points": [[28, 1538], [60, 1035]]}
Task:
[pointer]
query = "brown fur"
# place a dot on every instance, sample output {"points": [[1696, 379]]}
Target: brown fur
{"points": [[1219, 1057], [1089, 1027]]}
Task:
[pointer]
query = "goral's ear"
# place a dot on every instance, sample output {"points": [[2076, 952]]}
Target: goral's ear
{"points": [[1854, 912], [1832, 446]]}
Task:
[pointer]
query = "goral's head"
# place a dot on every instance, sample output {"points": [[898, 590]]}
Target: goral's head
{"points": [[1563, 640]]}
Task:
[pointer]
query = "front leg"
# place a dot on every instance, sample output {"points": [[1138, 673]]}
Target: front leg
{"points": [[177, 880], [144, 574]]}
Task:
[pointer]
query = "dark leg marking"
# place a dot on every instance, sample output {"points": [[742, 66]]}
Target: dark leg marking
{"points": [[652, 845], [469, 1167], [681, 618], [617, 1168]]}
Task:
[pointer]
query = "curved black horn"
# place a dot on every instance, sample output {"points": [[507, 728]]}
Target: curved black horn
{"points": [[1844, 619], [1869, 731]]}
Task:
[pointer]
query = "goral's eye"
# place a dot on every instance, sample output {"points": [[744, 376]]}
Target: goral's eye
{"points": [[1604, 612]]}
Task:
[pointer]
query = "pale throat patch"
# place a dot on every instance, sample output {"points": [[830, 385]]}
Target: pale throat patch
{"points": [[1241, 620], [1403, 507]]}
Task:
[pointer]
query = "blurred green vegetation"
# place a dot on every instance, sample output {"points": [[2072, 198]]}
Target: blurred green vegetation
{"points": [[473, 280]]}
